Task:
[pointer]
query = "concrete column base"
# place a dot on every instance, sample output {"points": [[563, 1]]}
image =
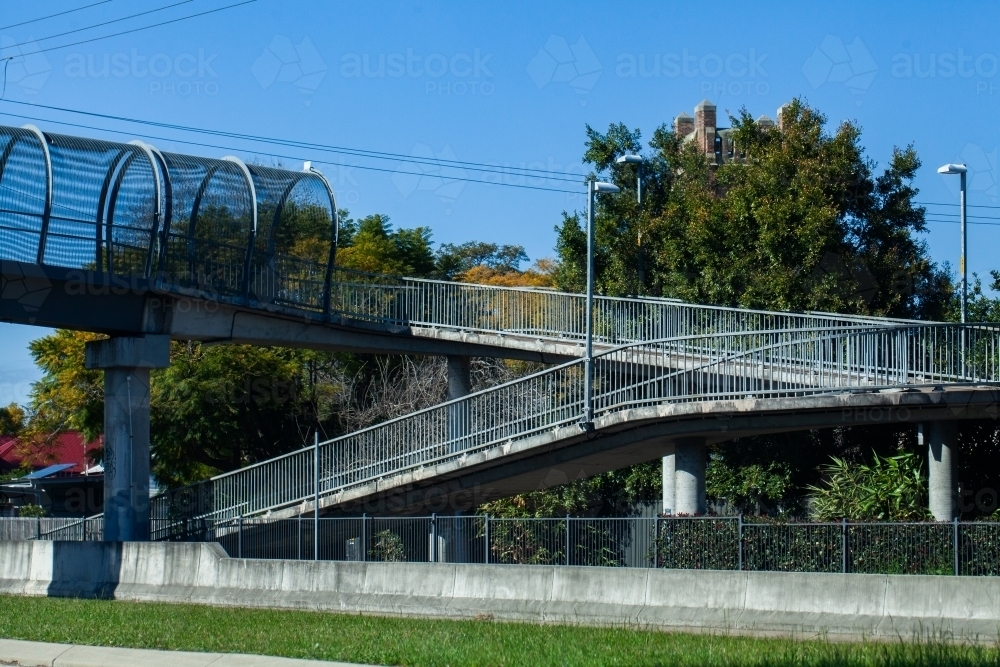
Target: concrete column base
{"points": [[941, 440], [126, 363], [669, 478], [689, 478]]}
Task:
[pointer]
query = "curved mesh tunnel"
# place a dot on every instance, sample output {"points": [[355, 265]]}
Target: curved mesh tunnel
{"points": [[253, 233], [294, 237]]}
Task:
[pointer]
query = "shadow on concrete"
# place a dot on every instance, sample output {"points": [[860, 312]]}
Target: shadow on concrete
{"points": [[85, 569]]}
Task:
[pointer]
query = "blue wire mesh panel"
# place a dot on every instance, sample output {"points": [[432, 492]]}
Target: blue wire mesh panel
{"points": [[295, 231], [211, 225], [104, 205], [23, 178]]}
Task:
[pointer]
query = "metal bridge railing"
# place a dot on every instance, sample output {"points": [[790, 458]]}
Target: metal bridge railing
{"points": [[550, 314], [761, 364]]}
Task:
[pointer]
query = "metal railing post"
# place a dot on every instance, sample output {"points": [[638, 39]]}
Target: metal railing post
{"points": [[300, 537], [567, 539], [486, 532], [843, 545], [434, 538], [239, 539], [316, 495], [656, 542], [739, 537], [38, 528], [955, 542], [364, 537]]}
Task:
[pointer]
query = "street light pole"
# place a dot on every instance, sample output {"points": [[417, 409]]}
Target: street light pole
{"points": [[961, 170], [593, 187], [637, 160]]}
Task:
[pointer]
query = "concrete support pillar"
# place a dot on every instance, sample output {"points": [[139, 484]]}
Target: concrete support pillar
{"points": [[689, 477], [941, 439], [459, 385], [459, 376], [669, 476], [126, 363]]}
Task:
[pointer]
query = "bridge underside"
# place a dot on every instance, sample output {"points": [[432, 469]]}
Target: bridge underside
{"points": [[633, 436], [98, 302]]}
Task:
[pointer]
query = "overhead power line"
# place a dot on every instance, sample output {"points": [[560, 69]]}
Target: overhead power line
{"points": [[297, 158], [98, 25], [342, 150], [52, 16], [937, 203], [140, 29]]}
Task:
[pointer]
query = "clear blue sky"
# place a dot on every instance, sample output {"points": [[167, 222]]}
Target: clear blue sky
{"points": [[512, 84]]}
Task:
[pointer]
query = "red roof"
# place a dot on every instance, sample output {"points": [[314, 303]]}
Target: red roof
{"points": [[66, 447]]}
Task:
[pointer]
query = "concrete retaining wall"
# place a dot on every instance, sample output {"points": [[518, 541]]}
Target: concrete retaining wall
{"points": [[746, 602]]}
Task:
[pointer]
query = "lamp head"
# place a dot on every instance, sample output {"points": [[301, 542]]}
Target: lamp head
{"points": [[629, 159], [952, 169], [606, 187]]}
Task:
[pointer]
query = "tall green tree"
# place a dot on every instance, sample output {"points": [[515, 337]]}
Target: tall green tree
{"points": [[803, 219], [803, 222]]}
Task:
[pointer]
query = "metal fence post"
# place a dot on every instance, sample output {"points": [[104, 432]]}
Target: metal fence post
{"points": [[656, 543], [38, 528], [300, 537], [567, 539], [239, 539], [364, 537], [843, 545], [955, 543], [486, 531], [434, 543], [739, 537], [316, 495]]}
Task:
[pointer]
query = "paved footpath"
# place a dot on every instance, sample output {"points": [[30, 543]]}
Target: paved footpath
{"points": [[41, 654]]}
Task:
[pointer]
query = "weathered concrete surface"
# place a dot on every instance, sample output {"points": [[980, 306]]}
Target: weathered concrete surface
{"points": [[845, 605], [557, 455], [43, 654]]}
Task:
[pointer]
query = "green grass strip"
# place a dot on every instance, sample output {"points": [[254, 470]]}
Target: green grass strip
{"points": [[434, 643]]}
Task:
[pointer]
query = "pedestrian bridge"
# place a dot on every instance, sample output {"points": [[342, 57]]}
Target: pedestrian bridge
{"points": [[526, 434], [123, 239]]}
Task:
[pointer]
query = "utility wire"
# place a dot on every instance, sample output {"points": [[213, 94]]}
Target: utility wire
{"points": [[356, 152], [52, 16], [297, 157], [140, 29], [98, 25], [935, 203]]}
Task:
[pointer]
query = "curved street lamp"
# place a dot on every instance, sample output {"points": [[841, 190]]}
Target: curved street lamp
{"points": [[961, 170], [593, 187], [631, 158]]}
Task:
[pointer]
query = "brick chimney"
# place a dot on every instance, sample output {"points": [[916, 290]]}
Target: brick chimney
{"points": [[683, 125], [781, 115], [704, 127]]}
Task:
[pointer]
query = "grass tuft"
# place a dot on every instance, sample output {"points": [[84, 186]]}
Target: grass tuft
{"points": [[439, 643]]}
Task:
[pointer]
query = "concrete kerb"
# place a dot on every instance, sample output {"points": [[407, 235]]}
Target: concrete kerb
{"points": [[847, 606], [44, 654]]}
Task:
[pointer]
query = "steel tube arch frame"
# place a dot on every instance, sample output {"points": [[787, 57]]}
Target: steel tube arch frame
{"points": [[157, 205], [271, 232], [245, 287], [335, 238], [47, 211], [102, 207]]}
